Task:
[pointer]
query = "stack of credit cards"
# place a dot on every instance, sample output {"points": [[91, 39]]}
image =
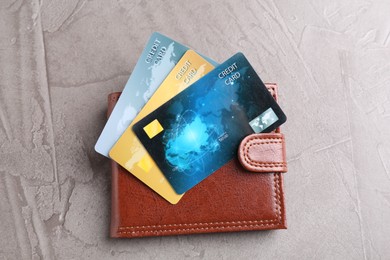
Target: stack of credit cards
{"points": [[181, 116]]}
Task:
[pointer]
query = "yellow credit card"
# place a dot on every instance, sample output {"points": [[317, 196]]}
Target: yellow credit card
{"points": [[129, 151]]}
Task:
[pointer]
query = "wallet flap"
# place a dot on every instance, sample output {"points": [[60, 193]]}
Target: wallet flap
{"points": [[264, 152]]}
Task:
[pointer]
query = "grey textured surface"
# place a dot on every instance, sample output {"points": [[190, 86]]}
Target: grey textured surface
{"points": [[60, 58]]}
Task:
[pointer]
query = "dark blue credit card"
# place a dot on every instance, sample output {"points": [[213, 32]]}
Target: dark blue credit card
{"points": [[199, 130]]}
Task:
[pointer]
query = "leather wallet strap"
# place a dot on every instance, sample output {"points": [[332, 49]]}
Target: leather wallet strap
{"points": [[264, 152]]}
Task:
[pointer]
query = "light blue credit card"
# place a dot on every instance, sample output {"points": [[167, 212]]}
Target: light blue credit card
{"points": [[157, 59]]}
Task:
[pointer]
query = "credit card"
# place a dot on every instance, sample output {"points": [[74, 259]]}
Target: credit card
{"points": [[199, 130], [157, 59], [130, 153]]}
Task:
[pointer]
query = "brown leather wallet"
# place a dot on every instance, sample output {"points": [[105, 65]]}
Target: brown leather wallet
{"points": [[245, 194]]}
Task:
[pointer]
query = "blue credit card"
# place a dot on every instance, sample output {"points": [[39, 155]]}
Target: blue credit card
{"points": [[199, 130], [157, 59]]}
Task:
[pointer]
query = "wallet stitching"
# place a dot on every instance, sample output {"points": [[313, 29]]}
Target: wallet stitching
{"points": [[200, 223], [277, 197], [189, 229], [227, 224]]}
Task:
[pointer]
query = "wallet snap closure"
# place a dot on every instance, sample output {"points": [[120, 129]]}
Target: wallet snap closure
{"points": [[264, 152]]}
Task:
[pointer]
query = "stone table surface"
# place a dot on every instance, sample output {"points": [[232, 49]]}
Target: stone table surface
{"points": [[60, 58]]}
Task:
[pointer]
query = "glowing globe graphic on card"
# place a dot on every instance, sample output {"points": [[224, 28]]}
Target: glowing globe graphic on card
{"points": [[188, 142]]}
